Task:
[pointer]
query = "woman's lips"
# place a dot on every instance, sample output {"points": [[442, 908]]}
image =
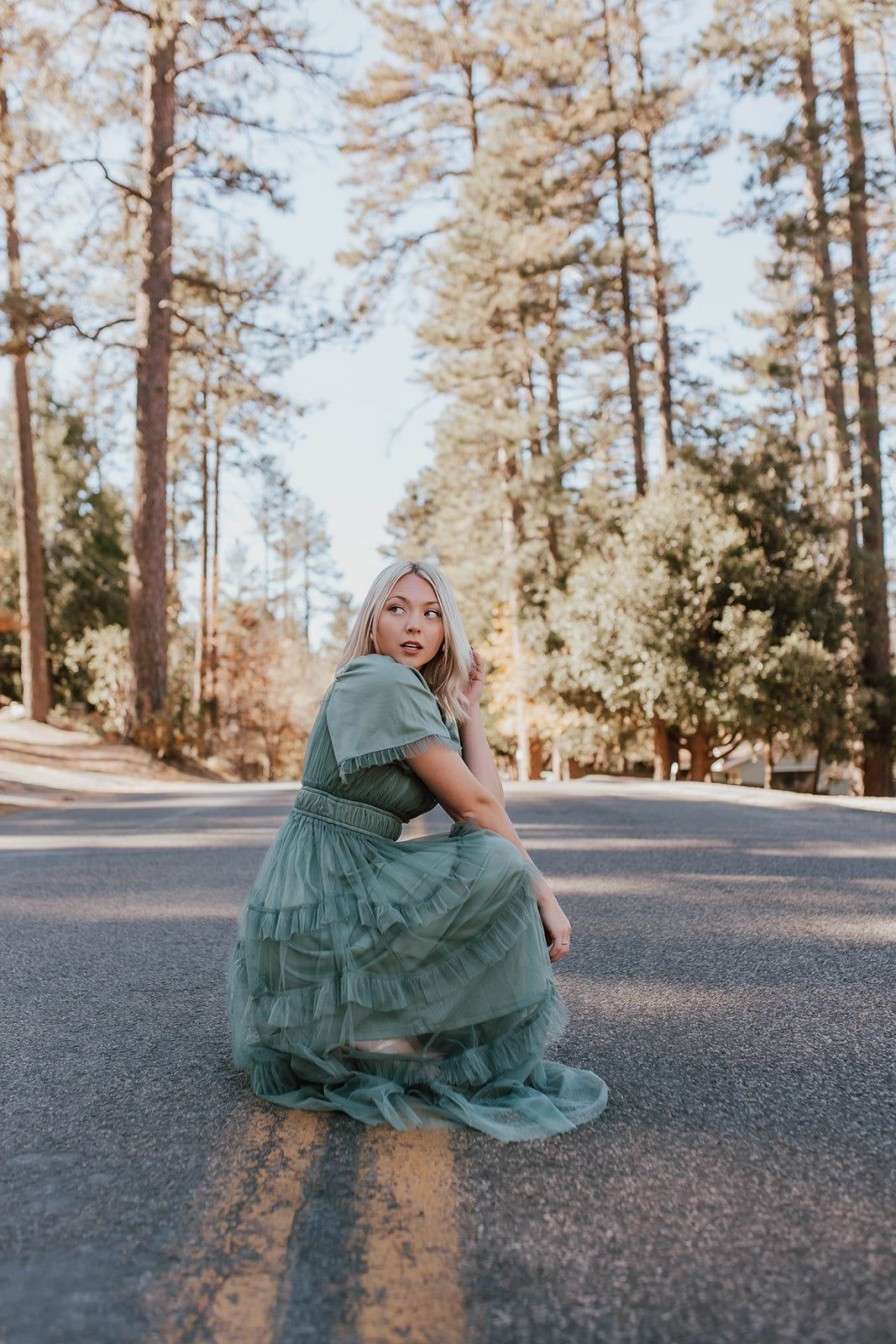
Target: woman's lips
{"points": [[413, 647]]}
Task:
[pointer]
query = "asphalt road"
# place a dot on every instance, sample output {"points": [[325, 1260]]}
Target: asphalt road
{"points": [[732, 979]]}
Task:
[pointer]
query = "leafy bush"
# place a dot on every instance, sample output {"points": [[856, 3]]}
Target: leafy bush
{"points": [[101, 659]]}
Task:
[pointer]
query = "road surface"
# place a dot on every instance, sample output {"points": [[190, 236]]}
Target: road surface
{"points": [[731, 977]]}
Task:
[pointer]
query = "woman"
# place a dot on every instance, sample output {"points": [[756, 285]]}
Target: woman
{"points": [[407, 983]]}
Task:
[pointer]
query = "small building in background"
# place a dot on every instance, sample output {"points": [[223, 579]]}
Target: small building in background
{"points": [[746, 765]]}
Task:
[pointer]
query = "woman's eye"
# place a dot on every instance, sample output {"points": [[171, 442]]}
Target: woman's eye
{"points": [[437, 614]]}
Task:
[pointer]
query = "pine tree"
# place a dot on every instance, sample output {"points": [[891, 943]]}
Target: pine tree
{"points": [[875, 623], [647, 100], [531, 342], [827, 317], [413, 130], [36, 693], [185, 102], [82, 520], [807, 50], [631, 341], [147, 622], [232, 338], [30, 313]]}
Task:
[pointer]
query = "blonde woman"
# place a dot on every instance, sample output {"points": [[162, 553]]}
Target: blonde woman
{"points": [[406, 983]]}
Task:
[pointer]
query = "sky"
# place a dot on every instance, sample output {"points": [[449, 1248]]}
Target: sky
{"points": [[368, 433]]}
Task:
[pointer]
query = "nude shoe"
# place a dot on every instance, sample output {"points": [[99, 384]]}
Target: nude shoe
{"points": [[397, 1045], [394, 1045]]}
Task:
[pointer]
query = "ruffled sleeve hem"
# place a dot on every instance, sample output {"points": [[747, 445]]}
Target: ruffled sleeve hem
{"points": [[389, 755]]}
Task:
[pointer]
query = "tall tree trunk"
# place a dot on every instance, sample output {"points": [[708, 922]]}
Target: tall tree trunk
{"points": [[628, 327], [838, 443], [288, 618], [625, 285], [473, 123], [701, 756], [665, 749], [523, 735], [889, 101], [36, 690], [173, 532], [657, 267], [875, 633], [469, 79], [510, 526], [553, 447], [213, 624], [306, 593], [147, 585], [200, 676]]}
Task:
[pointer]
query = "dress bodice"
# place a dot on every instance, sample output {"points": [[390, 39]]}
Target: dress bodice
{"points": [[376, 714]]}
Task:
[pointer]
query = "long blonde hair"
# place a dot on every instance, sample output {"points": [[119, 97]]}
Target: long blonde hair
{"points": [[446, 674]]}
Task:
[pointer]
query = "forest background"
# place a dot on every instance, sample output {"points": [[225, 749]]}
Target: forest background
{"points": [[664, 548]]}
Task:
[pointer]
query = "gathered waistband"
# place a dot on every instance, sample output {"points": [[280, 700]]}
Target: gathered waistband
{"points": [[361, 817]]}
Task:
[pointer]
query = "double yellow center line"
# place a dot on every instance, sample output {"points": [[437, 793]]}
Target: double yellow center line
{"points": [[230, 1282], [410, 1283]]}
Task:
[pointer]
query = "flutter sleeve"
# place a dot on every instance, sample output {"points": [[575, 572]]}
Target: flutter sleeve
{"points": [[381, 712]]}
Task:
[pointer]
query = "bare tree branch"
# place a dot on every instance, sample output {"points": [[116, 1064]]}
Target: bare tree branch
{"points": [[120, 7], [98, 163]]}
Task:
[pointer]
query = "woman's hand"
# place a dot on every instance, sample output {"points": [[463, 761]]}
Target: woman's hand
{"points": [[476, 680], [557, 927]]}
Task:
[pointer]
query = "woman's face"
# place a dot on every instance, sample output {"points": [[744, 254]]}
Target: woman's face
{"points": [[409, 627]]}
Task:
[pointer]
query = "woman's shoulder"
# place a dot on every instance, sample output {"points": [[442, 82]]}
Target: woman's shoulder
{"points": [[373, 669], [379, 712]]}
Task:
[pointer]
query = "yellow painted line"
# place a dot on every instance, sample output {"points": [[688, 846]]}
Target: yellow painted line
{"points": [[410, 1291], [226, 1286]]}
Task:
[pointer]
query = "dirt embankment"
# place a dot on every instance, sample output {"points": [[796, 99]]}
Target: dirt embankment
{"points": [[42, 764]]}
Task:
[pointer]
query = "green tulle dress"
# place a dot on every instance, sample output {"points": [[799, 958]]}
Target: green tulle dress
{"points": [[405, 983]]}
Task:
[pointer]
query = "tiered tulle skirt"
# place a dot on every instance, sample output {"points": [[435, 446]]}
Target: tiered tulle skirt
{"points": [[348, 940]]}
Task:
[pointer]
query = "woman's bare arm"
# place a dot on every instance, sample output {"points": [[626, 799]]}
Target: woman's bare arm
{"points": [[478, 754], [466, 798]]}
